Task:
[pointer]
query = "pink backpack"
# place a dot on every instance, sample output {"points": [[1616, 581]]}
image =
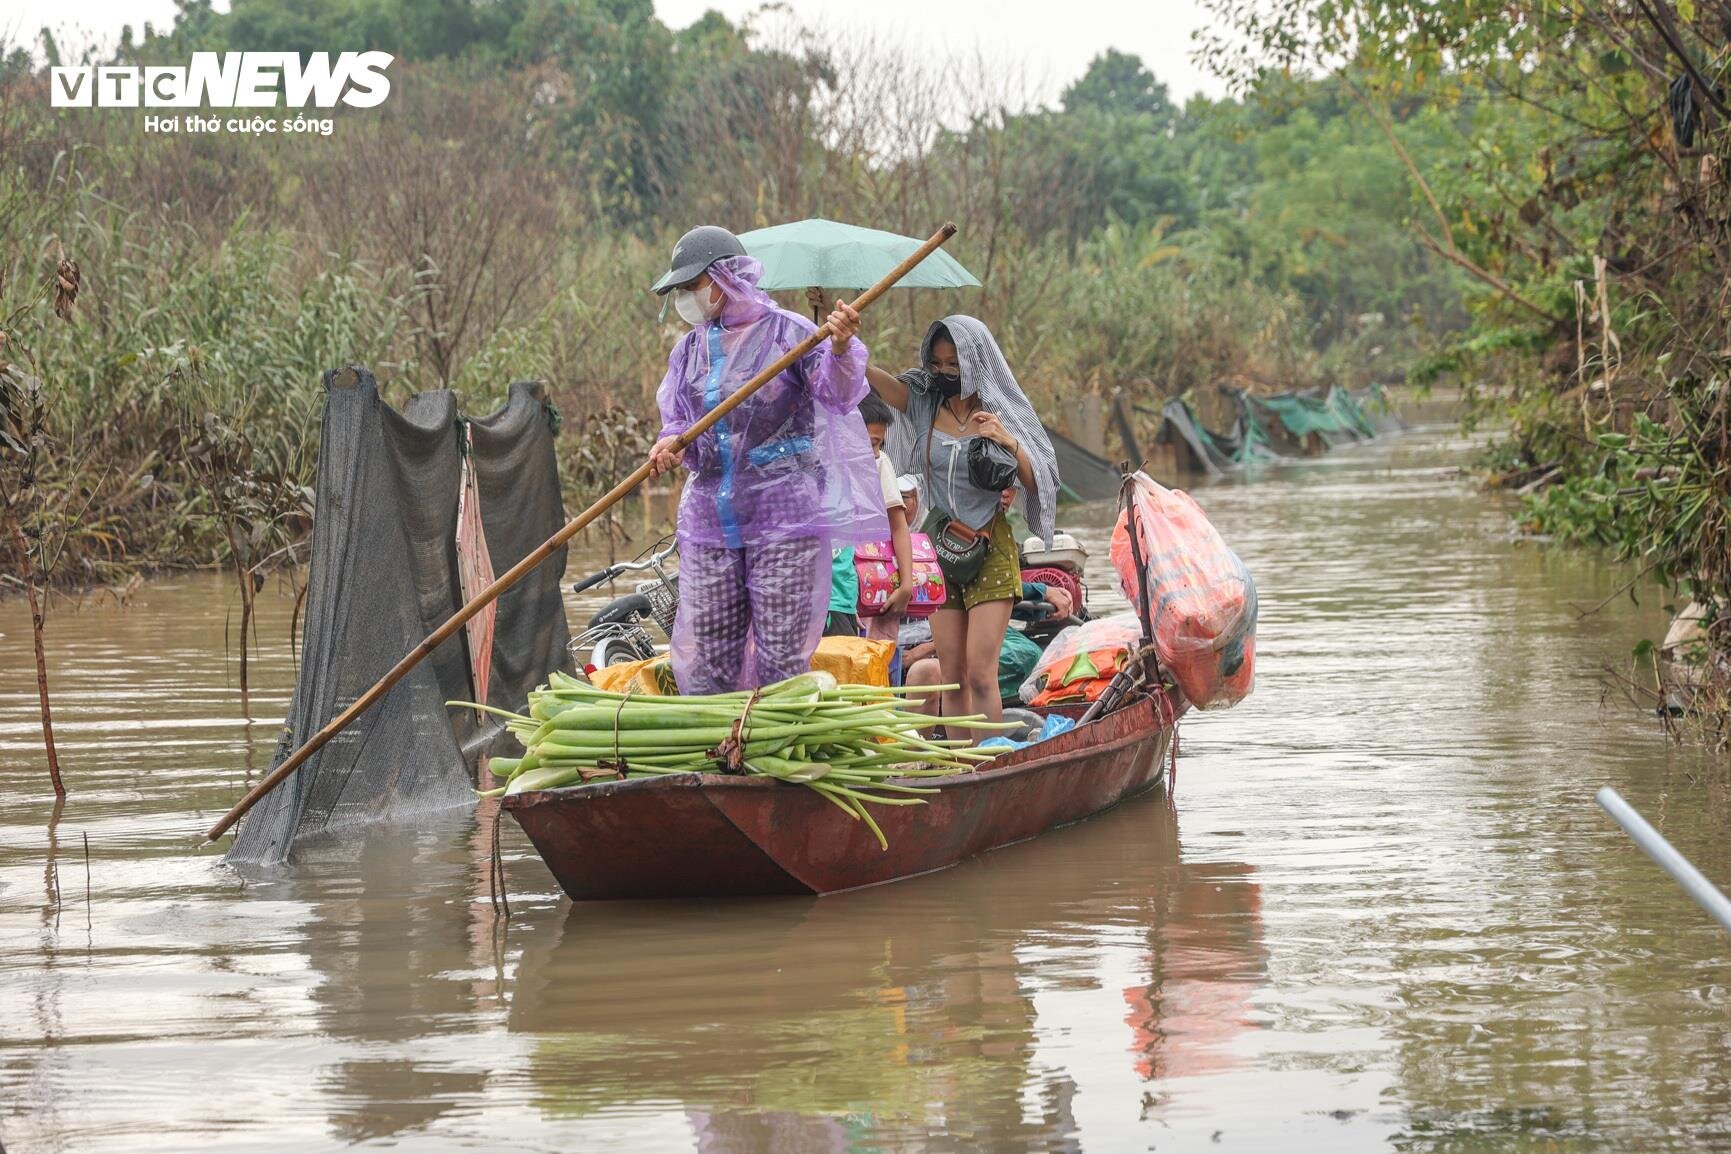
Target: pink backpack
{"points": [[876, 565]]}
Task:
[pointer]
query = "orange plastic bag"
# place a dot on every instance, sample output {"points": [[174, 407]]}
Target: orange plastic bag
{"points": [[1203, 598]]}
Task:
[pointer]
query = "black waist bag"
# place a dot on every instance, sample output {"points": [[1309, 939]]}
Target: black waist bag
{"points": [[961, 551]]}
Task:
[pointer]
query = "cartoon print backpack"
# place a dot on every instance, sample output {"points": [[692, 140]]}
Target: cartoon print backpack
{"points": [[876, 565]]}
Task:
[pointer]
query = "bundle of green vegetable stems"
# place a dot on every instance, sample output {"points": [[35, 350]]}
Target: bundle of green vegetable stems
{"points": [[851, 743]]}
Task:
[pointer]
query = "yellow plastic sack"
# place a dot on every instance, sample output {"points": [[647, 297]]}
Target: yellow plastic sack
{"points": [[855, 660], [852, 661], [653, 676]]}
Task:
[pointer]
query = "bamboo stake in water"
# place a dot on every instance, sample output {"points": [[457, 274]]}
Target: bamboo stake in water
{"points": [[516, 573], [1654, 845]]}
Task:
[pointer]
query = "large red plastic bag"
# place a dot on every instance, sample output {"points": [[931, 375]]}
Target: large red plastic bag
{"points": [[1203, 598], [1080, 661]]}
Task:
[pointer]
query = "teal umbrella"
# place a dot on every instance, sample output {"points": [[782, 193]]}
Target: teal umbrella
{"points": [[824, 254]]}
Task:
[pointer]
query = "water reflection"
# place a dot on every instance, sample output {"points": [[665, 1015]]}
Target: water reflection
{"points": [[1205, 963], [909, 1012], [382, 908]]}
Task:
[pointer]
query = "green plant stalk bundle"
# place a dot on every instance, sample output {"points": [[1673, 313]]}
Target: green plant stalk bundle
{"points": [[852, 744]]}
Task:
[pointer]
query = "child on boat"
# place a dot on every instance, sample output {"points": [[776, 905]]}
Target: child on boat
{"points": [[845, 592]]}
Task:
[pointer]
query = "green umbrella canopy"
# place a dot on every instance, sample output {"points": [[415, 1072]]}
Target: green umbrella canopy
{"points": [[831, 255]]}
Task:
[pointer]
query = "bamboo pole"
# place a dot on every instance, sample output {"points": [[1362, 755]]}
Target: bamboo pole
{"points": [[37, 610], [511, 576]]}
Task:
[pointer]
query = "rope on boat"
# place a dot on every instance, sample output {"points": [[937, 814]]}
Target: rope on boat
{"points": [[1124, 688], [732, 751], [618, 764], [1172, 770]]}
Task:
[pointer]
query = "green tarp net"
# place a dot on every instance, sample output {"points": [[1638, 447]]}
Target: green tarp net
{"points": [[1273, 427]]}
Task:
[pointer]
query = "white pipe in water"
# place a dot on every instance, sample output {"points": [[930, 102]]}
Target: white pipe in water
{"points": [[1653, 843]]}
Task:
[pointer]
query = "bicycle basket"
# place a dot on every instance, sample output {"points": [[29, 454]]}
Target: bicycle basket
{"points": [[663, 600]]}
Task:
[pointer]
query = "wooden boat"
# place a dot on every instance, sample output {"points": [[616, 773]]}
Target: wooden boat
{"points": [[718, 835]]}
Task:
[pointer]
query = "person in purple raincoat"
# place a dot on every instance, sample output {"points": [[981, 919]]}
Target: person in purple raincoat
{"points": [[775, 485]]}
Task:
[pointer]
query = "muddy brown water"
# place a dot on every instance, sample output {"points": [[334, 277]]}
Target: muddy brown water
{"points": [[1384, 912]]}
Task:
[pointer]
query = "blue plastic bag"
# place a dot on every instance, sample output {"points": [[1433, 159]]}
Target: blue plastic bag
{"points": [[1055, 724]]}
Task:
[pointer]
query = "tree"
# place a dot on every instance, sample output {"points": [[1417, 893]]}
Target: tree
{"points": [[1111, 150], [1120, 84], [1584, 189]]}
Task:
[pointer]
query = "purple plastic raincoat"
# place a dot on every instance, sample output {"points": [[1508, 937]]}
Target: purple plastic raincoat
{"points": [[774, 486]]}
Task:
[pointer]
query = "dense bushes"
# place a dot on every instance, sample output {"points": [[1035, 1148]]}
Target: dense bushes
{"points": [[1584, 192], [499, 217]]}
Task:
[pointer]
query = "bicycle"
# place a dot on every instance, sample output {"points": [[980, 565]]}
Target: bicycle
{"points": [[615, 634]]}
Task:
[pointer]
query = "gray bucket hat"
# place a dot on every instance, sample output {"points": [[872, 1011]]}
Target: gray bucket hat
{"points": [[695, 252]]}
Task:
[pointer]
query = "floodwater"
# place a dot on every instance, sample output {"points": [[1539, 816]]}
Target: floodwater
{"points": [[1384, 913]]}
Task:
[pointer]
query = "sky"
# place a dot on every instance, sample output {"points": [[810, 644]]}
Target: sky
{"points": [[1051, 41]]}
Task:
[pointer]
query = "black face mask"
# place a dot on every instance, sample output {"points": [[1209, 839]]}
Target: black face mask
{"points": [[948, 386]]}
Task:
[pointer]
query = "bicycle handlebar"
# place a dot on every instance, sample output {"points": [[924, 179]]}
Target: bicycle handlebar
{"points": [[593, 580], [653, 561]]}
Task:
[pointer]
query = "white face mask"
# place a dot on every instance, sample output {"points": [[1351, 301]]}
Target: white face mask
{"points": [[695, 307]]}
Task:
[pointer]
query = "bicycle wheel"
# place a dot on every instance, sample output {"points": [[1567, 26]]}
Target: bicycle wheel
{"points": [[615, 651]]}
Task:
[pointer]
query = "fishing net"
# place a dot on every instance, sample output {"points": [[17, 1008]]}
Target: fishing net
{"points": [[1272, 427], [384, 574], [1301, 415], [1377, 408], [1200, 450], [1349, 413]]}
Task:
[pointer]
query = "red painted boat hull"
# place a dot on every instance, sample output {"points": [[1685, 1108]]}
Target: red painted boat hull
{"points": [[715, 835]]}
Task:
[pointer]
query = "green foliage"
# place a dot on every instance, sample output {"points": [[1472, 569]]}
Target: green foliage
{"points": [[500, 216], [1590, 216], [1119, 84], [1655, 494]]}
